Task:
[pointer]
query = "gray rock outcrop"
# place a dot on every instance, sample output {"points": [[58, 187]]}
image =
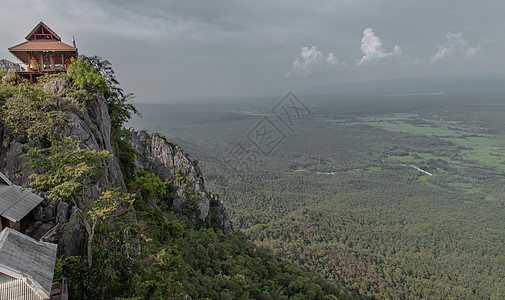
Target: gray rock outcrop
{"points": [[8, 65], [55, 221], [91, 126], [169, 162], [9, 76]]}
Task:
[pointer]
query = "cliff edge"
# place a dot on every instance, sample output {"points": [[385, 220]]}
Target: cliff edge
{"points": [[56, 221]]}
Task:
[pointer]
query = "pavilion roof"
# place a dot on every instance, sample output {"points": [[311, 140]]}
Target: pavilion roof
{"points": [[42, 45], [41, 39]]}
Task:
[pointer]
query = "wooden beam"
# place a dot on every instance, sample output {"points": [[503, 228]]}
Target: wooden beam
{"points": [[15, 225]]}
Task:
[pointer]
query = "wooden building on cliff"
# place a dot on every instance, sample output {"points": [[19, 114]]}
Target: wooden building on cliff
{"points": [[43, 52], [15, 203], [26, 265]]}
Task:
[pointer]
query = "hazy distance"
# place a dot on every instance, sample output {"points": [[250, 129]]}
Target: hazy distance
{"points": [[172, 51]]}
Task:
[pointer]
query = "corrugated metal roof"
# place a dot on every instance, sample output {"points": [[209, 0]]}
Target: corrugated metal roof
{"points": [[20, 255], [15, 203]]}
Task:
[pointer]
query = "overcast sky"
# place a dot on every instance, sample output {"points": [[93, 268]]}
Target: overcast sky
{"points": [[192, 49]]}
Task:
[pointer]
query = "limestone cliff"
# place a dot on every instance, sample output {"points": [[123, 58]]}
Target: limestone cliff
{"points": [[8, 65], [168, 161], [57, 222]]}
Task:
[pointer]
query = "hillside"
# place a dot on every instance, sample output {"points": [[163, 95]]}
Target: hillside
{"points": [[169, 237]]}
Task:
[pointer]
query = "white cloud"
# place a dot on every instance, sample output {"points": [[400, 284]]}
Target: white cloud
{"points": [[310, 60], [373, 52], [455, 48], [332, 60]]}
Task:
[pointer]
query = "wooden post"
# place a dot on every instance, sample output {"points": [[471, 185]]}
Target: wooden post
{"points": [[52, 60]]}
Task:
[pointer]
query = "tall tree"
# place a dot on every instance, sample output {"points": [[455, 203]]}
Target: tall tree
{"points": [[67, 174]]}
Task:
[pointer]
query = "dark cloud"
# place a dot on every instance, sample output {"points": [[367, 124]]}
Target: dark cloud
{"points": [[177, 50]]}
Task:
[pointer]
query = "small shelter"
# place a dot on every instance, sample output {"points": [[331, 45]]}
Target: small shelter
{"points": [[43, 52], [26, 266], [15, 203]]}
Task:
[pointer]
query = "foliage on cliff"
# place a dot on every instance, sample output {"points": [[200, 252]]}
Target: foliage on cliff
{"points": [[149, 250], [33, 112], [68, 173], [174, 258]]}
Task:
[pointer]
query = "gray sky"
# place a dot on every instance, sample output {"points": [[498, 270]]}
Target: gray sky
{"points": [[166, 50]]}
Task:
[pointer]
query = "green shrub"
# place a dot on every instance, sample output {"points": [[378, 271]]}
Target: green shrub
{"points": [[84, 76], [32, 111]]}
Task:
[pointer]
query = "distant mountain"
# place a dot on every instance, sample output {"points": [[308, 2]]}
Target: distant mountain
{"points": [[472, 83], [6, 65]]}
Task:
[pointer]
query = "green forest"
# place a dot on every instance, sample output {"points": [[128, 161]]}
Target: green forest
{"points": [[391, 197], [138, 245], [363, 197]]}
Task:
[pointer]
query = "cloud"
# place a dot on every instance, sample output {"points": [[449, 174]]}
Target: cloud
{"points": [[331, 60], [455, 48], [373, 52], [311, 59]]}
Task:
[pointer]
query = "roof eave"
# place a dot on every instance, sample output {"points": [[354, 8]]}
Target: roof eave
{"points": [[46, 50], [16, 274], [37, 287], [5, 179], [17, 45]]}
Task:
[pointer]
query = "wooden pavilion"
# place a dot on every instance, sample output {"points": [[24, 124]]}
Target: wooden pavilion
{"points": [[43, 52]]}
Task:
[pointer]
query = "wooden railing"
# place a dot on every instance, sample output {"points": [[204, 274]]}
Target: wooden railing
{"points": [[59, 289]]}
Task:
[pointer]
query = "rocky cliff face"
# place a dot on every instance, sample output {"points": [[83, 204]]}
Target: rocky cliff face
{"points": [[52, 220], [91, 127], [168, 161], [57, 222], [8, 65]]}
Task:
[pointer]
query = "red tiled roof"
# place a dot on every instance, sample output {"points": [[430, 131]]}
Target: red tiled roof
{"points": [[42, 45]]}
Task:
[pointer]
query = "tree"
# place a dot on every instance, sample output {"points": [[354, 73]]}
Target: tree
{"points": [[86, 77], [32, 111], [68, 173], [118, 102]]}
